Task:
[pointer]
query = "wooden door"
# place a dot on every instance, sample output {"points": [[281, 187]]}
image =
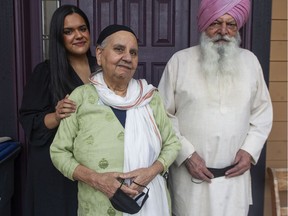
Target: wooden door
{"points": [[162, 26]]}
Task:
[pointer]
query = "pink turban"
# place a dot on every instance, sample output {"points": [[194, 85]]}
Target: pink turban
{"points": [[210, 10]]}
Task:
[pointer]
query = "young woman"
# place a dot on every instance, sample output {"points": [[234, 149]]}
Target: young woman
{"points": [[45, 104]]}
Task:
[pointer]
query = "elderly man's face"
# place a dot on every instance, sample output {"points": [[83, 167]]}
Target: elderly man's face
{"points": [[224, 25], [119, 57]]}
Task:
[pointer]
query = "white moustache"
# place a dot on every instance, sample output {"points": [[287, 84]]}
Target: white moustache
{"points": [[125, 65], [220, 37]]}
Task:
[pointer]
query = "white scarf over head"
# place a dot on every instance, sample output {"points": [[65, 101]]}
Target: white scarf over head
{"points": [[142, 143]]}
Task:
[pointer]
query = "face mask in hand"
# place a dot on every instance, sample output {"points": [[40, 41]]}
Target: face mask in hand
{"points": [[124, 203]]}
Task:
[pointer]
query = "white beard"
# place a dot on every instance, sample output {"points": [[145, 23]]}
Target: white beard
{"points": [[219, 61]]}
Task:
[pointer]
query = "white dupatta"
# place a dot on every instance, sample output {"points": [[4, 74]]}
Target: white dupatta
{"points": [[142, 143]]}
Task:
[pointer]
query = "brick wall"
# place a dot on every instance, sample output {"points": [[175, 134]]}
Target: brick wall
{"points": [[276, 155]]}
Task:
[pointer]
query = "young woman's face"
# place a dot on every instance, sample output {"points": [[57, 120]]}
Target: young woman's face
{"points": [[76, 35]]}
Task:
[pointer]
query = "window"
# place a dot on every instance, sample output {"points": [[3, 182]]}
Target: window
{"points": [[48, 8]]}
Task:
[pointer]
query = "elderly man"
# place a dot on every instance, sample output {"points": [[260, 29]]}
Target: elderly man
{"points": [[221, 110]]}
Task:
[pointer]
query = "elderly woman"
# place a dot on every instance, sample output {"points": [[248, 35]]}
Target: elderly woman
{"points": [[119, 142]]}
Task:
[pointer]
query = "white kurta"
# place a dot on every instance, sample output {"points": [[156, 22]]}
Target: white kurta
{"points": [[216, 127]]}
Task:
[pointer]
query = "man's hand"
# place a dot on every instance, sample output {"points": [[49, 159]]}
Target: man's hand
{"points": [[197, 168], [243, 160]]}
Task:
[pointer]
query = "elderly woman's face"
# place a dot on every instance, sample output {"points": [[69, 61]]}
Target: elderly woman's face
{"points": [[119, 57]]}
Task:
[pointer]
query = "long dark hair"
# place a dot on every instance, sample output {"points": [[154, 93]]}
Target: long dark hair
{"points": [[61, 81]]}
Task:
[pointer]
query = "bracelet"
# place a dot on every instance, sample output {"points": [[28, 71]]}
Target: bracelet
{"points": [[189, 157]]}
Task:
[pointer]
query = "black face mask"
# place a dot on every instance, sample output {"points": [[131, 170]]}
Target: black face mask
{"points": [[124, 203]]}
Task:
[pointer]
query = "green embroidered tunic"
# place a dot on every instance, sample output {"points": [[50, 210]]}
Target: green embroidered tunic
{"points": [[94, 137]]}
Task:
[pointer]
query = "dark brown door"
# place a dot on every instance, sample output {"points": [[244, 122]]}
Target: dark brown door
{"points": [[162, 26]]}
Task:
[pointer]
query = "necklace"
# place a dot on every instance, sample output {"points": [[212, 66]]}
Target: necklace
{"points": [[120, 92]]}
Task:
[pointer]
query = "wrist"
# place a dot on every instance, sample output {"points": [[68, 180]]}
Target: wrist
{"points": [[57, 118], [157, 168]]}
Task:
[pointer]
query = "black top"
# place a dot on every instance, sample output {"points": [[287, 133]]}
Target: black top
{"points": [[48, 192], [121, 115]]}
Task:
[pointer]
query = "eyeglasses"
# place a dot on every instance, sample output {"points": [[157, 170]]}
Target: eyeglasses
{"points": [[196, 181], [216, 25], [141, 198]]}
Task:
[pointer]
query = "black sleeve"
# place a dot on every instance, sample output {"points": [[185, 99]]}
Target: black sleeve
{"points": [[36, 103]]}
